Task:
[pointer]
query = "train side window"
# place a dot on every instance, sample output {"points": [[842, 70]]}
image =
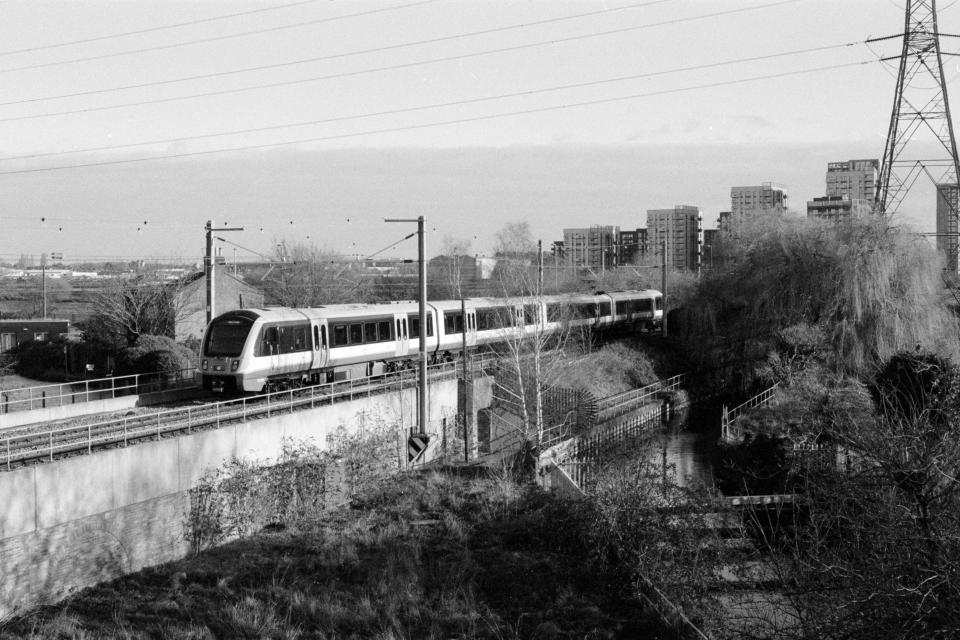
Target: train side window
{"points": [[404, 328], [604, 308], [340, 335], [415, 326], [453, 323], [370, 332], [300, 339], [316, 337], [269, 341], [323, 337], [383, 331], [659, 304], [398, 329], [356, 333], [530, 314], [621, 307]]}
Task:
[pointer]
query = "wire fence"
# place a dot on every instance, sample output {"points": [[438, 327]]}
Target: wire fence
{"points": [[617, 405], [67, 393], [729, 421]]}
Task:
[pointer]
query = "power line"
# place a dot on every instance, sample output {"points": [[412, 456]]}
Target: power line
{"points": [[431, 41], [440, 104], [443, 122], [155, 29], [392, 67], [162, 47], [207, 76]]}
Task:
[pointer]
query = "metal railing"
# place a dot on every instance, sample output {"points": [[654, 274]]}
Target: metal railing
{"points": [[66, 393], [25, 443], [621, 403], [730, 430]]}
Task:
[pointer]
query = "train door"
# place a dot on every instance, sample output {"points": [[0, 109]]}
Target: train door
{"points": [[321, 345], [470, 326], [402, 339], [271, 346]]}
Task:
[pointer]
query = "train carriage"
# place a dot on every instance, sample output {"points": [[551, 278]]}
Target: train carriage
{"points": [[251, 350]]}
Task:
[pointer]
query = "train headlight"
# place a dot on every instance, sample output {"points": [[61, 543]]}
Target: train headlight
{"points": [[204, 365], [234, 365]]}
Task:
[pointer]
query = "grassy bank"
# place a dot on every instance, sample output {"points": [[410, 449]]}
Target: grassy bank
{"points": [[429, 556]]}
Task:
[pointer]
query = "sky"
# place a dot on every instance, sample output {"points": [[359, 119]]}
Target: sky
{"points": [[320, 118]]}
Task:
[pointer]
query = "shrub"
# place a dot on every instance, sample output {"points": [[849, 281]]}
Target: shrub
{"points": [[154, 353], [871, 288], [41, 360]]}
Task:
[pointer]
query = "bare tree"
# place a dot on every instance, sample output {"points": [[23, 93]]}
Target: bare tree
{"points": [[454, 253], [128, 308], [306, 276]]}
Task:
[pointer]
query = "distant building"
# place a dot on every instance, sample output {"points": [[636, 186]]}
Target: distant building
{"points": [[854, 178], [948, 208], [462, 269], [594, 247], [747, 203], [191, 303], [838, 208], [681, 229], [13, 333], [632, 246], [710, 239]]}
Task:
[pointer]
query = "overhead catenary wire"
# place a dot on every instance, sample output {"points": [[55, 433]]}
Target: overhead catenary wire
{"points": [[266, 67], [440, 123], [162, 47], [138, 32], [515, 94], [258, 87]]}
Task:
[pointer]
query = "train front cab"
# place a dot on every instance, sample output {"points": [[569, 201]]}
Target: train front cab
{"points": [[222, 351]]}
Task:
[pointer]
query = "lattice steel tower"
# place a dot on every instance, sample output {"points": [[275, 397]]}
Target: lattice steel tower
{"points": [[920, 104]]}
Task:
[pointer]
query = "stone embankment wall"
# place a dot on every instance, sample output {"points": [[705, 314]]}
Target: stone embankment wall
{"points": [[73, 523]]}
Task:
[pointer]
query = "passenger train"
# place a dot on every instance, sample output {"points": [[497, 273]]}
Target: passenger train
{"points": [[253, 350]]}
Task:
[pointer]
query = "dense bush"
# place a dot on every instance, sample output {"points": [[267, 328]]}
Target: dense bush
{"points": [[41, 360], [154, 353], [870, 288], [756, 466]]}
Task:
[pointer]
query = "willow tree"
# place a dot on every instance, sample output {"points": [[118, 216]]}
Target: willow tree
{"points": [[872, 288]]}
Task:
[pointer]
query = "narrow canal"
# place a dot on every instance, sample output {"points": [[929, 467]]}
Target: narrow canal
{"points": [[687, 443]]}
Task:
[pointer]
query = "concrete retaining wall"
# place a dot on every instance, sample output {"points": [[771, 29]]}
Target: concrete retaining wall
{"points": [[73, 523]]}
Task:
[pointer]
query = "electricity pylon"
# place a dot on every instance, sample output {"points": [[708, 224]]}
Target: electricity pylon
{"points": [[920, 105]]}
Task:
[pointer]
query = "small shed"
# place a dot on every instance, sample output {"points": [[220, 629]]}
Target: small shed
{"points": [[191, 306], [15, 332]]}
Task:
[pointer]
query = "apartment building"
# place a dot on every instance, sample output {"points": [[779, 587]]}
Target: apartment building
{"points": [[854, 178], [749, 202], [948, 209], [839, 207], [680, 230], [594, 247]]}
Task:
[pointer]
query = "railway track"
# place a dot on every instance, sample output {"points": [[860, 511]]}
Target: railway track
{"points": [[25, 445]]}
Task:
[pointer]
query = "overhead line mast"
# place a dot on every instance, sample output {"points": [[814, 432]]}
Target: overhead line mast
{"points": [[917, 107]]}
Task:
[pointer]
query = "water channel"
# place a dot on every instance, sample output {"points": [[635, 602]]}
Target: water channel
{"points": [[687, 443]]}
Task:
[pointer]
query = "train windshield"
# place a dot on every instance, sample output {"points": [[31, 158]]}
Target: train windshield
{"points": [[226, 336]]}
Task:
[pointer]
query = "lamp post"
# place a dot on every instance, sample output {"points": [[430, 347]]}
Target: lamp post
{"points": [[422, 383]]}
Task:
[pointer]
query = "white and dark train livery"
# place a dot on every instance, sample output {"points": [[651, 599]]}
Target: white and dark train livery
{"points": [[252, 350]]}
